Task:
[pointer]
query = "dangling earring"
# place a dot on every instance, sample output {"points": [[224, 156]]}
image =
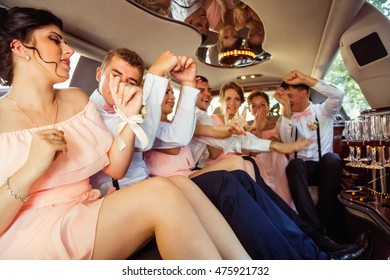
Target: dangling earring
{"points": [[27, 57]]}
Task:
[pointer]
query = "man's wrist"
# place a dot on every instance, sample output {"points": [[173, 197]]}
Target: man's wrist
{"points": [[310, 81], [189, 84], [156, 71]]}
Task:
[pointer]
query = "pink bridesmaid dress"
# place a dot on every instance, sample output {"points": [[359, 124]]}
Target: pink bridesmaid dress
{"points": [[59, 220], [273, 164]]}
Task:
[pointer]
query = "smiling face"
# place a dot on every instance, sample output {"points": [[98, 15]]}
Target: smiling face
{"points": [[258, 103], [204, 97], [51, 52], [299, 100], [167, 104], [117, 67], [231, 102]]}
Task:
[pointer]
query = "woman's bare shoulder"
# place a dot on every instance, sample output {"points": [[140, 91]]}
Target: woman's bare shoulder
{"points": [[73, 95], [72, 101]]}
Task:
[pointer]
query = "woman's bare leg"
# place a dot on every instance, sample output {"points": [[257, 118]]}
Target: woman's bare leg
{"points": [[134, 214], [250, 169], [233, 162], [214, 223]]}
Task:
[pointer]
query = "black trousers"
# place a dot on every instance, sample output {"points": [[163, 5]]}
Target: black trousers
{"points": [[328, 215], [265, 231]]}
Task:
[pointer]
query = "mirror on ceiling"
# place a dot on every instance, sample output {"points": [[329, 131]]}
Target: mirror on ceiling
{"points": [[232, 33]]}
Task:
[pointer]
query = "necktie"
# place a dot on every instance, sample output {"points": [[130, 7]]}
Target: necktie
{"points": [[298, 116]]}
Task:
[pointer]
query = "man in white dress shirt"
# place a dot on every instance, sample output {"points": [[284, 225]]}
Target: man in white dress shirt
{"points": [[199, 147], [315, 165], [200, 144], [129, 67]]}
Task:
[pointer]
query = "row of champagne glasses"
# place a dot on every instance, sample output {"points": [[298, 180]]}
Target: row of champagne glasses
{"points": [[370, 128]]}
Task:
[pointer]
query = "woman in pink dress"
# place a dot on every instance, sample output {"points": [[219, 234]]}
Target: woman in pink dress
{"points": [[231, 96], [265, 230], [53, 140], [273, 163], [179, 160]]}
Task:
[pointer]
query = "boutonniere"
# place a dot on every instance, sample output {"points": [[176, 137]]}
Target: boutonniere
{"points": [[143, 111], [313, 125]]}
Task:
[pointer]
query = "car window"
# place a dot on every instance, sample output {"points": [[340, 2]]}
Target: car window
{"points": [[354, 100]]}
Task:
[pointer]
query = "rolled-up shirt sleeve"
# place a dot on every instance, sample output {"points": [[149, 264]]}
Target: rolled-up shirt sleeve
{"points": [[153, 95], [179, 132], [334, 101]]}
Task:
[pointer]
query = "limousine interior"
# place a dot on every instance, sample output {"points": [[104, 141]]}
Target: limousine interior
{"points": [[307, 35]]}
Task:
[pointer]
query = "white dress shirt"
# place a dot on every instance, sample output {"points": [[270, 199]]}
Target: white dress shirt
{"points": [[179, 132], [324, 112], [229, 145], [153, 94]]}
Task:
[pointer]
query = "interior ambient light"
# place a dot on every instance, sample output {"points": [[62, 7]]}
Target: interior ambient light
{"points": [[251, 76], [236, 57]]}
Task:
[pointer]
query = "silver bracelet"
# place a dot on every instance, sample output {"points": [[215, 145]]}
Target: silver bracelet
{"points": [[14, 195]]}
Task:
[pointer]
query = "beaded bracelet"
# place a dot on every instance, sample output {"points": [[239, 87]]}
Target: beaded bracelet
{"points": [[14, 195]]}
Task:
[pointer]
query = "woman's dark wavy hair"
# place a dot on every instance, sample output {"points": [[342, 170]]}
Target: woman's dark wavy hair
{"points": [[18, 23]]}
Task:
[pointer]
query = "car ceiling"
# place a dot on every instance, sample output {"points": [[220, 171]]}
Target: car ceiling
{"points": [[300, 34]]}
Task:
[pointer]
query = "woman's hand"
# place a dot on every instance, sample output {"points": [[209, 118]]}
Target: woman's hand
{"points": [[46, 146], [238, 124], [127, 97], [260, 120]]}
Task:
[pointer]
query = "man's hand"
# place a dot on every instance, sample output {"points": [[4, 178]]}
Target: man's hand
{"points": [[164, 64], [288, 148], [181, 68], [185, 71], [127, 97], [296, 77], [282, 97]]}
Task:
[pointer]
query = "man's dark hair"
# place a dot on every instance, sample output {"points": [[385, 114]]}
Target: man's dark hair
{"points": [[299, 86], [203, 79]]}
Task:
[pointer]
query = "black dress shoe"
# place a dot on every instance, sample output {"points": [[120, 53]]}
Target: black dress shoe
{"points": [[329, 245], [358, 251], [355, 252]]}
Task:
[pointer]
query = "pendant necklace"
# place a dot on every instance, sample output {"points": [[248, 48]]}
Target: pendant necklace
{"points": [[17, 105]]}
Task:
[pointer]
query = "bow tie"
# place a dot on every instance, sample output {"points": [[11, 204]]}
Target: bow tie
{"points": [[298, 116], [108, 108]]}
